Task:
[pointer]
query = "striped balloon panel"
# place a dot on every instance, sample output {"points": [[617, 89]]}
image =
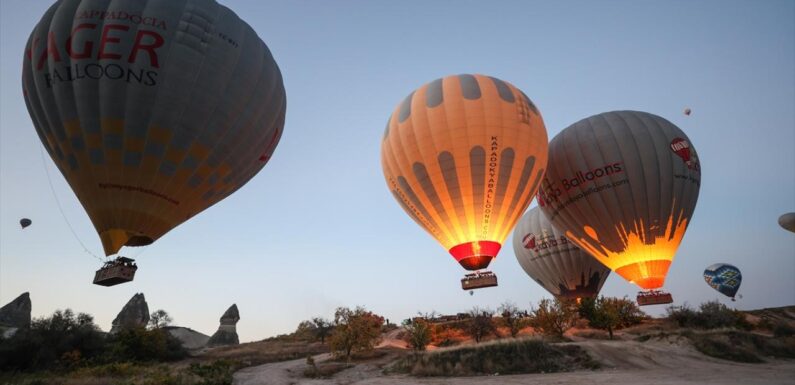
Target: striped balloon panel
{"points": [[464, 155], [153, 110], [556, 263], [623, 185]]}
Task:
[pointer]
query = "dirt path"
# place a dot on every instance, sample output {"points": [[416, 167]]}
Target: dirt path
{"points": [[624, 363]]}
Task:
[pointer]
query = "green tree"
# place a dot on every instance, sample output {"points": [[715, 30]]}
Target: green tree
{"points": [[420, 332], [159, 319], [322, 328], [554, 317], [480, 323], [356, 330], [511, 318], [614, 313]]}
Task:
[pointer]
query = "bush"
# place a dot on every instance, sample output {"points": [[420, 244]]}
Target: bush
{"points": [[216, 373], [515, 357], [783, 329], [480, 323], [511, 318], [553, 317], [62, 340], [610, 314], [420, 333], [355, 330], [711, 315], [139, 344]]}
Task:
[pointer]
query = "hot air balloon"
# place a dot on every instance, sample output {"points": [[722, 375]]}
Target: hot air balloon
{"points": [[463, 155], [724, 278], [623, 185], [557, 264], [153, 110], [688, 111], [787, 221], [25, 222]]}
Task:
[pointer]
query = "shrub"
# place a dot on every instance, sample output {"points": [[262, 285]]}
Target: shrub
{"points": [[613, 313], [139, 344], [783, 329], [553, 317], [711, 315], [511, 318], [216, 373], [480, 323], [355, 330], [62, 340], [420, 333]]}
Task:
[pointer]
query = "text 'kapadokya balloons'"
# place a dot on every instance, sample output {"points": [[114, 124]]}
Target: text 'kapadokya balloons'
{"points": [[623, 185], [463, 155], [724, 278], [787, 221], [557, 264], [153, 110]]}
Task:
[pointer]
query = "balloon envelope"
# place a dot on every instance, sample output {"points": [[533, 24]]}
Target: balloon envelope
{"points": [[557, 264], [688, 111], [463, 156], [724, 278], [787, 221], [25, 222], [153, 110], [623, 185]]}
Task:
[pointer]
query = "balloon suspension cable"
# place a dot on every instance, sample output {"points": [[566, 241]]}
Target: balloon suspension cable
{"points": [[58, 203]]}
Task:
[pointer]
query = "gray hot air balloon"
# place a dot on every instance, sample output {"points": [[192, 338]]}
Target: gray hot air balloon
{"points": [[787, 221], [623, 185], [153, 110], [558, 265]]}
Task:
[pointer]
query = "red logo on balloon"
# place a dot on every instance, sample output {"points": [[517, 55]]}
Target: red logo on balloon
{"points": [[529, 241], [681, 148]]}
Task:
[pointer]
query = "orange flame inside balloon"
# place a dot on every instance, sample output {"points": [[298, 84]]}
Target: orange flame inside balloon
{"points": [[644, 259]]}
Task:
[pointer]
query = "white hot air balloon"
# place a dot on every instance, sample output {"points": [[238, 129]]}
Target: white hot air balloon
{"points": [[557, 264]]}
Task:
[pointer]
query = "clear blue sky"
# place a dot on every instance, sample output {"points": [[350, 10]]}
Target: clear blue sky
{"points": [[317, 227]]}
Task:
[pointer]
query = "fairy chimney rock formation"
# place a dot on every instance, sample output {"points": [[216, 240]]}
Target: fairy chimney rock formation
{"points": [[227, 331], [16, 314], [134, 314]]}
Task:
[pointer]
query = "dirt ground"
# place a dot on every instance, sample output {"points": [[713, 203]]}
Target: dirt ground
{"points": [[624, 363]]}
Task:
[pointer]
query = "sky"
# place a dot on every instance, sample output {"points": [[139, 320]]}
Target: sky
{"points": [[317, 228]]}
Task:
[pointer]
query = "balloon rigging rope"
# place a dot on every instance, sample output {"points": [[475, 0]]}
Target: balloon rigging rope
{"points": [[58, 203]]}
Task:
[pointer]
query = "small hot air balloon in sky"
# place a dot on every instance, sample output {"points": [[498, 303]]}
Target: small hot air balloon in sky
{"points": [[153, 110], [25, 222], [623, 185], [463, 155], [787, 221], [688, 111], [724, 278], [558, 265]]}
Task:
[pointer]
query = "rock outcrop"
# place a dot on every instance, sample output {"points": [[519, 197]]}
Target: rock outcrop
{"points": [[227, 331], [190, 338], [134, 314], [16, 314]]}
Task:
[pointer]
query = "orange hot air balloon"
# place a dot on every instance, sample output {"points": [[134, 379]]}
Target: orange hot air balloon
{"points": [[464, 155], [623, 186]]}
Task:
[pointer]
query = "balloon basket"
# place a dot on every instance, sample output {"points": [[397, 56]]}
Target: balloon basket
{"points": [[654, 297], [478, 280], [117, 271]]}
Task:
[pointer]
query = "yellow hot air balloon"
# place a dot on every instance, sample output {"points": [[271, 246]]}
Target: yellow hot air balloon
{"points": [[464, 155]]}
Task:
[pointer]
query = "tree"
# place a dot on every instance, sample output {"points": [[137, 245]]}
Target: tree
{"points": [[355, 330], [159, 319], [554, 317], [322, 329], [511, 317], [305, 331], [420, 332], [614, 313], [480, 323]]}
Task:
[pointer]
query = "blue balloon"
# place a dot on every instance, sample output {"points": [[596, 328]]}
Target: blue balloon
{"points": [[724, 278]]}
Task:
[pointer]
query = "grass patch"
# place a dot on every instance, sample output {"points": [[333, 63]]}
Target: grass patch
{"points": [[513, 357], [742, 346]]}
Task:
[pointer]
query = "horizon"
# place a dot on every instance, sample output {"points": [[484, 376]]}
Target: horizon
{"points": [[317, 228]]}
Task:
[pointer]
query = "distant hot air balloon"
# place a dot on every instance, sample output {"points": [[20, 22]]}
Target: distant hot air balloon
{"points": [[724, 278], [153, 110], [463, 155], [623, 185], [787, 221], [557, 264], [687, 111], [25, 222]]}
